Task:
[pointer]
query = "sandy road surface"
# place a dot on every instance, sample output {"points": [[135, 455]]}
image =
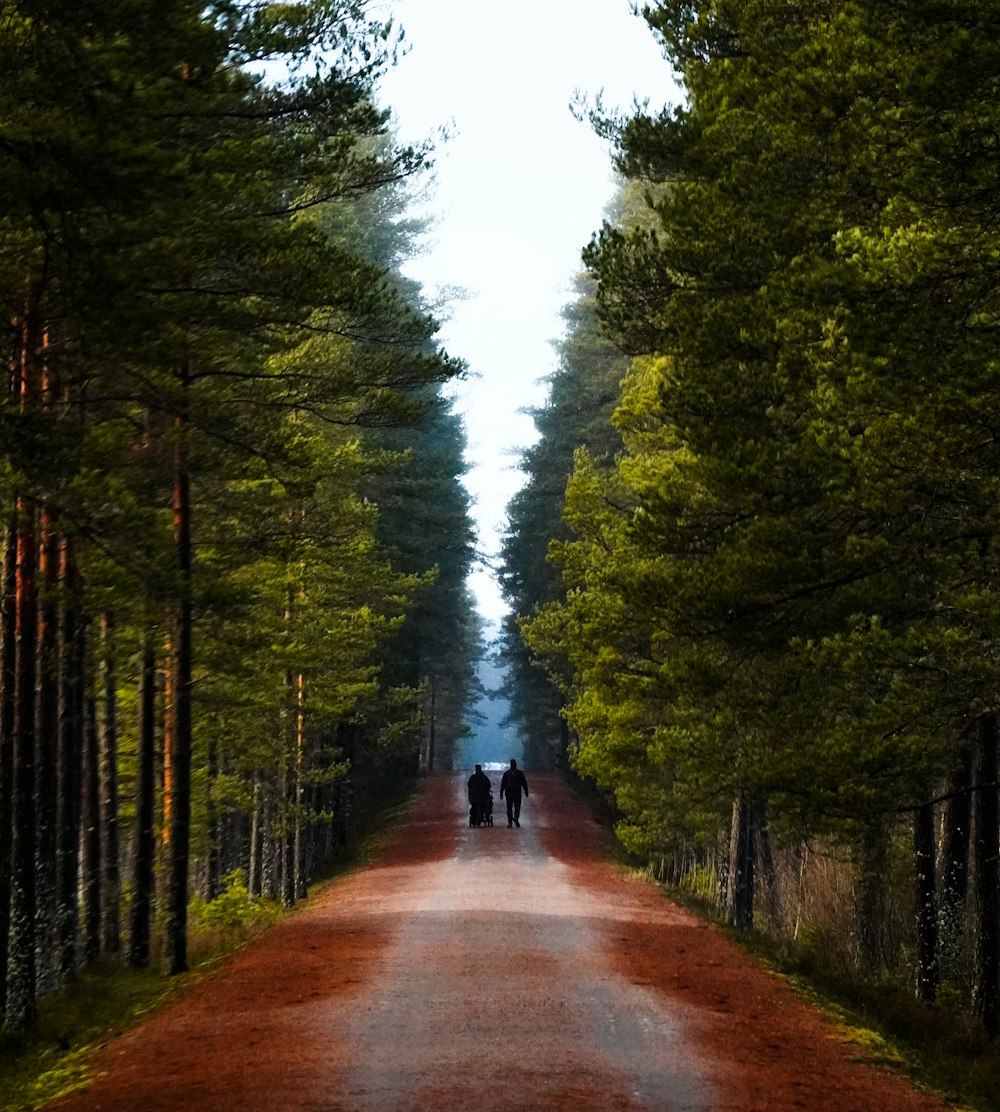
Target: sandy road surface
{"points": [[489, 969]]}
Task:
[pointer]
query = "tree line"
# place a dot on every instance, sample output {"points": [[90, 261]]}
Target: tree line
{"points": [[235, 538], [770, 623]]}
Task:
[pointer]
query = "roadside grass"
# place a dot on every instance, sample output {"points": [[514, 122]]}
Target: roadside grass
{"points": [[940, 1048], [107, 998]]}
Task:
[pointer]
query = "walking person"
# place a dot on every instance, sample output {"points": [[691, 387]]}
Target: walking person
{"points": [[512, 783]]}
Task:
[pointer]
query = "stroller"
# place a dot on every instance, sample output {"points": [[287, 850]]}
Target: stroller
{"points": [[481, 814]]}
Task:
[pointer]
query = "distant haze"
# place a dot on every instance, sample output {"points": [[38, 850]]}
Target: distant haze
{"points": [[490, 743]]}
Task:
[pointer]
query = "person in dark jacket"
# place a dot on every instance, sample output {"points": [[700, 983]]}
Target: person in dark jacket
{"points": [[512, 783], [480, 790]]}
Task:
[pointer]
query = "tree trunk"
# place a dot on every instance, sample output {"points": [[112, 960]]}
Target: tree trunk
{"points": [[925, 856], [111, 849], [286, 786], [8, 672], [300, 751], [870, 900], [180, 749], [93, 904], [766, 867], [145, 819], [987, 988], [72, 658], [740, 894], [213, 884], [22, 990], [955, 879], [46, 760], [432, 729], [254, 884]]}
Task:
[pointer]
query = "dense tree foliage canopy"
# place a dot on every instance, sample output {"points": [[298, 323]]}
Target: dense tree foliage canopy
{"points": [[780, 601], [237, 540]]}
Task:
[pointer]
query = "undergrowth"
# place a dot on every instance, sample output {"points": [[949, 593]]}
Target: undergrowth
{"points": [[940, 1047]]}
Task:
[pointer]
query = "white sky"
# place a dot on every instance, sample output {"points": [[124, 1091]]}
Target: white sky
{"points": [[520, 188]]}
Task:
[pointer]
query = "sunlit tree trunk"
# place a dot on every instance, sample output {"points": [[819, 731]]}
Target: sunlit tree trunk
{"points": [[287, 792], [300, 749], [256, 849], [167, 767]]}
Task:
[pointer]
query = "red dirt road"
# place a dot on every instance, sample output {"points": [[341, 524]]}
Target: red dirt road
{"points": [[494, 970]]}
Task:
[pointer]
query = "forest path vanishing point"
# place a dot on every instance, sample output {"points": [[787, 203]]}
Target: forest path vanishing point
{"points": [[492, 969]]}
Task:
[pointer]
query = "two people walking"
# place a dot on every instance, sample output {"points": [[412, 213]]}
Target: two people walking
{"points": [[512, 784]]}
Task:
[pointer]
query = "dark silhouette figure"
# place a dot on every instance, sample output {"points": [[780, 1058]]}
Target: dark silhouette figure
{"points": [[480, 796], [512, 783]]}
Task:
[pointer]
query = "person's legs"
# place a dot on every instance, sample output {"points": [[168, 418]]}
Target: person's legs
{"points": [[510, 811], [517, 810]]}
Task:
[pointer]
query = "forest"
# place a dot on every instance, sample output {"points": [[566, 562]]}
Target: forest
{"points": [[753, 570], [235, 538]]}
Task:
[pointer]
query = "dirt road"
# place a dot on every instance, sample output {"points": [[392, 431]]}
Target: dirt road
{"points": [[489, 969]]}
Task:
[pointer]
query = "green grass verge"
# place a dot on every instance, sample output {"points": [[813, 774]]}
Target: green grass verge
{"points": [[52, 1059], [107, 998]]}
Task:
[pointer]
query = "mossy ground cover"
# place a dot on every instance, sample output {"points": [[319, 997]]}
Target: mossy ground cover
{"points": [[99, 1002]]}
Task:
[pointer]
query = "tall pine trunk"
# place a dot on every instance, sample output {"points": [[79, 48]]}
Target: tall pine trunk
{"points": [[181, 741], [766, 868], [287, 790], [72, 661], [955, 867], [21, 960], [8, 673], [870, 898], [213, 885], [111, 923], [987, 989], [925, 858], [140, 934], [93, 904], [432, 728], [256, 851], [300, 878], [46, 759], [22, 987], [742, 870]]}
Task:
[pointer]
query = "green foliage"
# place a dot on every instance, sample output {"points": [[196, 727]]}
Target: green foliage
{"points": [[232, 909], [52, 1060], [199, 270], [782, 588]]}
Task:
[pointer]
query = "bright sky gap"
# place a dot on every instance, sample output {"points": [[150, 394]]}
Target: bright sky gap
{"points": [[520, 187]]}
